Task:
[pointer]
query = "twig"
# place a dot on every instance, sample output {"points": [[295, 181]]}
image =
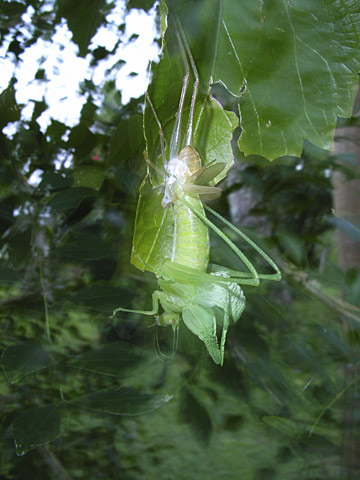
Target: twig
{"points": [[337, 304]]}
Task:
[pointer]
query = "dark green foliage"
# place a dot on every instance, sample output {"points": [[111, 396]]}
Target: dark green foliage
{"points": [[83, 19], [36, 426], [82, 394], [10, 112]]}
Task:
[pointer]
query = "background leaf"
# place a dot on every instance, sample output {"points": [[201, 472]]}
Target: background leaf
{"points": [[71, 197], [154, 230], [116, 359], [37, 426], [293, 66], [121, 401], [10, 111], [20, 360], [83, 19]]}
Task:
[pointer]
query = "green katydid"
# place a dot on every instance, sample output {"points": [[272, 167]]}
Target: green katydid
{"points": [[204, 297]]}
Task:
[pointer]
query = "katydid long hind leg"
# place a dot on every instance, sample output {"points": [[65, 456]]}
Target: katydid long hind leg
{"points": [[254, 280], [255, 276], [277, 275]]}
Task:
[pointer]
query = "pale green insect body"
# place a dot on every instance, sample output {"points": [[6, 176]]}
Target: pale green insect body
{"points": [[208, 299], [191, 245], [203, 306], [191, 235]]}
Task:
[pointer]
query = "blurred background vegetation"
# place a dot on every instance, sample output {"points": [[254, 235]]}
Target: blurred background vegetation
{"points": [[285, 405]]}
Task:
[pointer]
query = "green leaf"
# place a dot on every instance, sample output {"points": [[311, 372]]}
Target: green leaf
{"points": [[83, 19], [213, 136], [86, 246], [39, 108], [56, 130], [292, 65], [298, 65], [154, 230], [15, 9], [71, 198], [286, 426], [8, 275], [292, 245], [117, 359], [104, 298], [52, 181], [143, 4], [20, 360], [9, 110], [127, 142], [37, 426], [6, 213], [82, 140], [19, 248], [121, 401]]}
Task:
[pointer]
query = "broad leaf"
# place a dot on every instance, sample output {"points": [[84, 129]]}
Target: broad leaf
{"points": [[9, 110], [85, 246], [154, 230], [121, 401], [83, 19], [116, 359], [53, 181], [20, 360], [91, 176], [293, 65], [71, 197], [37, 426], [298, 65], [127, 141], [102, 297]]}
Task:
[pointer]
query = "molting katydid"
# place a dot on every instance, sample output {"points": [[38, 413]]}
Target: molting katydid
{"points": [[206, 298]]}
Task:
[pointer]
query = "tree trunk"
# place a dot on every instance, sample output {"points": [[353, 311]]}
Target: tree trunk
{"points": [[346, 193]]}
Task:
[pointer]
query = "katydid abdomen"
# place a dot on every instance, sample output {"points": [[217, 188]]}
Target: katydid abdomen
{"points": [[191, 235]]}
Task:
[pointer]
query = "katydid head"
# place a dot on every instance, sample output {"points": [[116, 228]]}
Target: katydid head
{"points": [[168, 319]]}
